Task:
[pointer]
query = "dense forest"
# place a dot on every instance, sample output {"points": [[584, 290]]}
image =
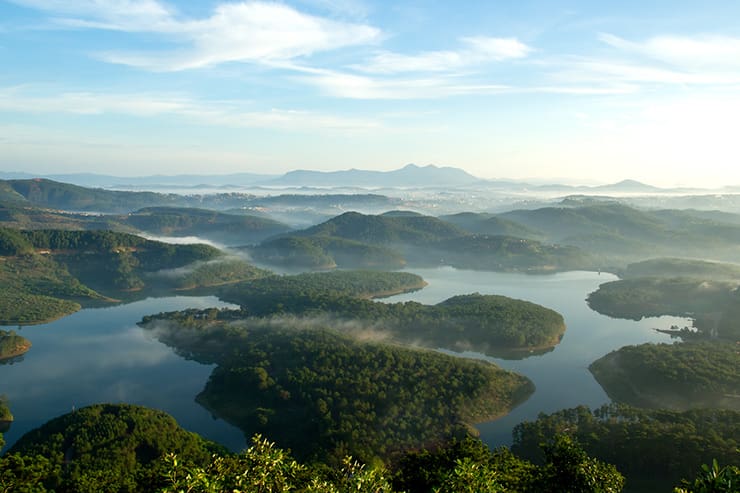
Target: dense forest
{"points": [[327, 394], [230, 229], [682, 268], [654, 449], [46, 274], [714, 305], [489, 324], [674, 376], [392, 240], [129, 449]]}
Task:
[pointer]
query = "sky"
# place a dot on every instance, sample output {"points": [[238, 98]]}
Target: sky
{"points": [[576, 91]]}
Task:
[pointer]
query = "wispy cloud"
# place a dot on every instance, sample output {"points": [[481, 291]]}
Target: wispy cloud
{"points": [[476, 50], [252, 31], [220, 113], [701, 52]]}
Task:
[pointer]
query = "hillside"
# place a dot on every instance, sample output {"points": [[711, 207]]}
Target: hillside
{"points": [[491, 225], [55, 195], [229, 229], [46, 274], [414, 240], [105, 447], [618, 233]]}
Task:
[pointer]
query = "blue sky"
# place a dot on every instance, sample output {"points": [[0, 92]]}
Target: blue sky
{"points": [[581, 91]]}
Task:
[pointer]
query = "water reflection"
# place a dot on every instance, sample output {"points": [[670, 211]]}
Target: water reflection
{"points": [[100, 355]]}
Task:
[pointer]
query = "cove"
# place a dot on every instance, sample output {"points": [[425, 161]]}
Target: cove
{"points": [[561, 376]]}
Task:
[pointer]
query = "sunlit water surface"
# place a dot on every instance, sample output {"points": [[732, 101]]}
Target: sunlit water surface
{"points": [[101, 355]]}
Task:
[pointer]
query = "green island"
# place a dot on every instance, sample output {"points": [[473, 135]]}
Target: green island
{"points": [[490, 324], [328, 394], [48, 274], [675, 376], [654, 449], [713, 305], [125, 448], [12, 345]]}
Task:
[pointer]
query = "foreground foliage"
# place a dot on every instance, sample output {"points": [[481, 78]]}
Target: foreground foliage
{"points": [[126, 449]]}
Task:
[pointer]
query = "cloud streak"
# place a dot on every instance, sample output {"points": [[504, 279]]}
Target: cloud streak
{"points": [[478, 49], [221, 113]]}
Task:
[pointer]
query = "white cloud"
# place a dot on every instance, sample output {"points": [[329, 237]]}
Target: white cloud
{"points": [[252, 31], [478, 49], [353, 86], [219, 113], [717, 52]]}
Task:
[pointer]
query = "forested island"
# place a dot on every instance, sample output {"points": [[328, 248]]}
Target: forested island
{"points": [[682, 268], [12, 345], [674, 376], [485, 323], [714, 305], [325, 393], [652, 448]]}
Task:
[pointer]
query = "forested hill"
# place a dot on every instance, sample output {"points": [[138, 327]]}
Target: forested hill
{"points": [[230, 229], [47, 193], [45, 274], [384, 229], [390, 241], [620, 233]]}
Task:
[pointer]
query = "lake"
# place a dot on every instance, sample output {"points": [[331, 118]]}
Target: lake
{"points": [[101, 355], [561, 376]]}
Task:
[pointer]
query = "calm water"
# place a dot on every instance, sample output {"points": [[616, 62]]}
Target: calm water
{"points": [[561, 376], [100, 355]]}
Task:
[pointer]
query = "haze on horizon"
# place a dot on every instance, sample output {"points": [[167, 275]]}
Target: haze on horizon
{"points": [[569, 90]]}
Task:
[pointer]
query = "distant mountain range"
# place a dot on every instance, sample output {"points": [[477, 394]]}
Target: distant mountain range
{"points": [[410, 176]]}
